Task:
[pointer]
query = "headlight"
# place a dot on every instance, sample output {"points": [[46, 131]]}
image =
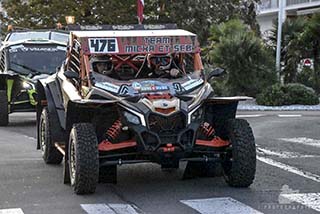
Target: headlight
{"points": [[131, 118], [26, 85], [195, 115]]}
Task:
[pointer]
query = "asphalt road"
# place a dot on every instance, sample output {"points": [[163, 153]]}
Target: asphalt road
{"points": [[287, 178]]}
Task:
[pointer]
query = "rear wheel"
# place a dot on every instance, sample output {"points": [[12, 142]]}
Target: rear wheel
{"points": [[83, 158], [239, 163], [4, 114], [50, 153]]}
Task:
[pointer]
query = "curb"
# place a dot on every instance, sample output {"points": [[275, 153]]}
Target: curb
{"points": [[278, 108]]}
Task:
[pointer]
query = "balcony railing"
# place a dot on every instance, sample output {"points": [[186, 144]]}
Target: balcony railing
{"points": [[274, 4]]}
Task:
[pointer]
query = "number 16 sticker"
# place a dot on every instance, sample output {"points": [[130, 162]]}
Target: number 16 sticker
{"points": [[103, 45]]}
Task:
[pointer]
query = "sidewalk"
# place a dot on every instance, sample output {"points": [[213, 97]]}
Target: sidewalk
{"points": [[252, 106]]}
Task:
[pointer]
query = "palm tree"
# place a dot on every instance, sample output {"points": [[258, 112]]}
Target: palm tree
{"points": [[310, 39], [235, 47], [291, 49]]}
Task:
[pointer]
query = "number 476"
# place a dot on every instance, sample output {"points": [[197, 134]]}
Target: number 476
{"points": [[103, 45]]}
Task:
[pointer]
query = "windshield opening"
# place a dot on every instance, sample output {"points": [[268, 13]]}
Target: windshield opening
{"points": [[128, 67], [47, 35], [39, 59]]}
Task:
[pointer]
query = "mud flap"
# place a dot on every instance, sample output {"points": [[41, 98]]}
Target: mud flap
{"points": [[196, 169], [108, 174], [66, 172]]}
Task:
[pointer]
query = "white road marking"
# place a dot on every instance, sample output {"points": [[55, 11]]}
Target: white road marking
{"points": [[109, 209], [289, 115], [311, 200], [248, 115], [30, 138], [219, 205], [283, 154], [11, 211], [291, 169], [303, 140]]}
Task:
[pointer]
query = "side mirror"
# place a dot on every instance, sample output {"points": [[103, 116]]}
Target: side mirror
{"points": [[215, 73], [71, 75]]}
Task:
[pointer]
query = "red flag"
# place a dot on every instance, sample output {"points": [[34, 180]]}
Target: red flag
{"points": [[140, 6]]}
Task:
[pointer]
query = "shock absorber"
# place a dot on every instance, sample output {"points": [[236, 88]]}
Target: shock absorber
{"points": [[207, 129], [114, 131]]}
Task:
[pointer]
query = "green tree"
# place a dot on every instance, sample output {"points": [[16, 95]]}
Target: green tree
{"points": [[198, 15], [194, 15], [310, 40], [292, 50], [237, 49], [47, 13]]}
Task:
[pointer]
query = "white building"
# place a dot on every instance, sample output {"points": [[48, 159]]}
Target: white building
{"points": [[268, 10]]}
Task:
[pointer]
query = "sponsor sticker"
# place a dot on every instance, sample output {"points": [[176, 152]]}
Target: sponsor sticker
{"points": [[192, 84], [108, 86], [136, 86]]}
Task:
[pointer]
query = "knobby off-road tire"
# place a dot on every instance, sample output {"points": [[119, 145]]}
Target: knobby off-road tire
{"points": [[50, 153], [4, 114], [83, 158], [239, 164]]}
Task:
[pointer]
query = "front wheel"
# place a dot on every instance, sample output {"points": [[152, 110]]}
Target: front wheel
{"points": [[239, 162], [83, 158], [4, 114], [50, 153]]}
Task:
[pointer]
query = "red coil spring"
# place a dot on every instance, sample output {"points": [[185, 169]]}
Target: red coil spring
{"points": [[207, 129], [114, 131]]}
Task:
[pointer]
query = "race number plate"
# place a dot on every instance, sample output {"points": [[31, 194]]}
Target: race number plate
{"points": [[103, 45]]}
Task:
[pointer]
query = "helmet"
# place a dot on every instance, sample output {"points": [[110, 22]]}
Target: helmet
{"points": [[102, 64], [159, 62]]}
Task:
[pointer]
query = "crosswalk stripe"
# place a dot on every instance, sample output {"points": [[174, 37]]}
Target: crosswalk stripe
{"points": [[311, 200], [289, 115], [219, 205], [303, 141], [291, 169], [248, 115], [283, 154], [11, 211], [109, 209]]}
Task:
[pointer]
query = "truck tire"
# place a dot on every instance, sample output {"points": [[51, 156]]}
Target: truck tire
{"points": [[239, 162], [50, 153], [4, 114], [83, 158]]}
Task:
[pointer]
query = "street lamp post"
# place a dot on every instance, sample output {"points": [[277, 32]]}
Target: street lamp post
{"points": [[281, 19]]}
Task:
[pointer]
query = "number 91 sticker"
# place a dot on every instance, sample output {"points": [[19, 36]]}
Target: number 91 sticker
{"points": [[103, 45]]}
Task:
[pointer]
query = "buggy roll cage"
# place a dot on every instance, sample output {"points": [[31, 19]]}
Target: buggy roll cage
{"points": [[126, 43]]}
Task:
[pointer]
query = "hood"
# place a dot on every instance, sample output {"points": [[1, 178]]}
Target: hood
{"points": [[136, 87], [39, 76]]}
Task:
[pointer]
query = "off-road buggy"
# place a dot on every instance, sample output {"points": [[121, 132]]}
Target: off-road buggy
{"points": [[129, 114], [25, 57]]}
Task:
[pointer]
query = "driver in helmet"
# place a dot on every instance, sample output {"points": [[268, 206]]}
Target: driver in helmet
{"points": [[162, 65], [102, 65]]}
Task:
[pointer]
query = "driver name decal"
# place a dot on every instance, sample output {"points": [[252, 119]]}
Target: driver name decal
{"points": [[158, 45], [103, 45]]}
